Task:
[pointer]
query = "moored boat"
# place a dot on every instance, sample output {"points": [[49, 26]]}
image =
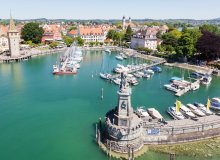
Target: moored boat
{"points": [[204, 109], [142, 112], [154, 113], [172, 87], [105, 76], [195, 110], [186, 112], [215, 103], [119, 57], [175, 114]]}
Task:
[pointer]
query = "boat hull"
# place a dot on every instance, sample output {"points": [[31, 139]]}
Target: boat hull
{"points": [[63, 73]]}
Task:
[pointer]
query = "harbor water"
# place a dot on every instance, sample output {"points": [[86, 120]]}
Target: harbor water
{"points": [[47, 117]]}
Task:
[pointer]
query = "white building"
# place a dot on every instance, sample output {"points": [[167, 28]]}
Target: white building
{"points": [[145, 38], [90, 33], [13, 39]]}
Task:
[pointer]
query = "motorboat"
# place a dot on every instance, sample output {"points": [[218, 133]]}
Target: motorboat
{"points": [[117, 81], [105, 76], [58, 71], [195, 87], [108, 50], [119, 57], [176, 79], [142, 112], [206, 80], [120, 68], [172, 87], [138, 75], [154, 113], [133, 81], [148, 71], [146, 75], [204, 109], [195, 110], [215, 103], [123, 55], [186, 112], [175, 114], [156, 69], [197, 75]]}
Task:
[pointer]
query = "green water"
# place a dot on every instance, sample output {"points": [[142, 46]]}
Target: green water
{"points": [[46, 117]]}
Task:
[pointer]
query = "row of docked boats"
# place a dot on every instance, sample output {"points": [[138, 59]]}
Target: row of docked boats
{"points": [[204, 78], [148, 113], [69, 62], [192, 111]]}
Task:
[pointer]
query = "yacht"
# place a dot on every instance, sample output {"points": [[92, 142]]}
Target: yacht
{"points": [[117, 81], [204, 109], [142, 112], [148, 71], [206, 80], [105, 76], [215, 103], [119, 57], [123, 55], [146, 75], [107, 50], [186, 112], [154, 113], [138, 75], [172, 87], [133, 81], [173, 113], [195, 110], [156, 69]]}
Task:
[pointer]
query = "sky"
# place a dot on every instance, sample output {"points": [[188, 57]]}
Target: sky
{"points": [[110, 9]]}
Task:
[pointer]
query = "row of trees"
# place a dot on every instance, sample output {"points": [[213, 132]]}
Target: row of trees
{"points": [[203, 42], [120, 37]]}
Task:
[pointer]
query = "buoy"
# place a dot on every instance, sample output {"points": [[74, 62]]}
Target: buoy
{"points": [[102, 90]]}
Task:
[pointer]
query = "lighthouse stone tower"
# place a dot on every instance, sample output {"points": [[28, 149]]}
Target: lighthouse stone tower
{"points": [[123, 126], [13, 39]]}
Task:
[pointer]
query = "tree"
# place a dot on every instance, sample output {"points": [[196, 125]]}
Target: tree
{"points": [[128, 34], [185, 46], [54, 44], [115, 36], [210, 28], [79, 41], [32, 32], [209, 45], [68, 40]]}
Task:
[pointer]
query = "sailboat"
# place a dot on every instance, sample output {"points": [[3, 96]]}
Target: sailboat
{"points": [[104, 75]]}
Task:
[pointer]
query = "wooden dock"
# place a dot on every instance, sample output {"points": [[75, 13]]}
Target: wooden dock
{"points": [[187, 89], [141, 68], [8, 59]]}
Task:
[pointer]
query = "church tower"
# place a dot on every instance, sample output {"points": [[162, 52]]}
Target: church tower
{"points": [[13, 39], [123, 23], [129, 20]]}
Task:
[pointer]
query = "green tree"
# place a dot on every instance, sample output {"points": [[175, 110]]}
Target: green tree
{"points": [[54, 44], [185, 46], [32, 32], [210, 28], [128, 34], [68, 40], [79, 41]]}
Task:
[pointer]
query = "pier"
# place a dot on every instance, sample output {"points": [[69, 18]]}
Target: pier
{"points": [[187, 89], [7, 59], [141, 68]]}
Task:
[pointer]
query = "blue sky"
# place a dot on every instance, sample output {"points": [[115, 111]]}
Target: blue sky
{"points": [[110, 9]]}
